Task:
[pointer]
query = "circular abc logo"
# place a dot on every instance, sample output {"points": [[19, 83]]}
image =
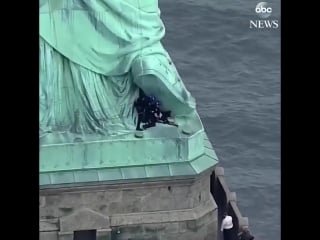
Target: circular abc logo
{"points": [[263, 10]]}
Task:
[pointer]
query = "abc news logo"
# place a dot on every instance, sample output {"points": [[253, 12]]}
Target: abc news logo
{"points": [[263, 10]]}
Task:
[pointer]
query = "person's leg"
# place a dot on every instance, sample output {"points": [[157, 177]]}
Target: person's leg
{"points": [[150, 119], [138, 128], [149, 124], [228, 234], [153, 121]]}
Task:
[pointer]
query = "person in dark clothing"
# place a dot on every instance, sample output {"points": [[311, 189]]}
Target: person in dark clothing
{"points": [[156, 115], [149, 112], [140, 104], [151, 118], [245, 235], [146, 107], [163, 117]]}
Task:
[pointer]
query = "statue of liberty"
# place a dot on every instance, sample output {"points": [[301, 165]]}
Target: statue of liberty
{"points": [[95, 55]]}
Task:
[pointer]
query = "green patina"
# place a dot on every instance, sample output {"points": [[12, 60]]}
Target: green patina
{"points": [[94, 56]]}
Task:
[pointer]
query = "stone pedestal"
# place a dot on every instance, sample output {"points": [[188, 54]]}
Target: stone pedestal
{"points": [[154, 188], [160, 210]]}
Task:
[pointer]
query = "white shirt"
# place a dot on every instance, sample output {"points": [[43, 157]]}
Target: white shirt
{"points": [[226, 223]]}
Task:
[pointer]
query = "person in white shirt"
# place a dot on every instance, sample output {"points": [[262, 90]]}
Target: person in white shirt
{"points": [[227, 227]]}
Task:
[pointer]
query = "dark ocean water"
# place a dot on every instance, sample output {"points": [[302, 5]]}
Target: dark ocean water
{"points": [[234, 74]]}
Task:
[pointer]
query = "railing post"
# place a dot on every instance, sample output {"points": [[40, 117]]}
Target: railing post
{"points": [[243, 223], [219, 171], [232, 197]]}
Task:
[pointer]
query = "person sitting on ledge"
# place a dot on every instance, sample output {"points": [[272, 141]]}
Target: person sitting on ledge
{"points": [[149, 112], [163, 117], [141, 104]]}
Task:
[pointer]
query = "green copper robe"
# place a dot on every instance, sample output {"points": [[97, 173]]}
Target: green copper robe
{"points": [[94, 55]]}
